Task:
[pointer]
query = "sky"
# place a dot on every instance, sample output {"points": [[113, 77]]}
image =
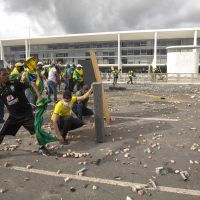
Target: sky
{"points": [[32, 18]]}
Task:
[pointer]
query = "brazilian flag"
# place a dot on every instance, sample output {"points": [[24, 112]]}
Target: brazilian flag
{"points": [[42, 136]]}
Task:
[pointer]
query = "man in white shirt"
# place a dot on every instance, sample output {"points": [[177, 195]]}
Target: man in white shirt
{"points": [[53, 80]]}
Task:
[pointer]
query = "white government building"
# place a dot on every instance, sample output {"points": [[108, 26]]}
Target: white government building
{"points": [[172, 50]]}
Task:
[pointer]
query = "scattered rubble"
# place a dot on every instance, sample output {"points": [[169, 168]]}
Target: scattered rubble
{"points": [[75, 155], [7, 164], [72, 189], [29, 166], [67, 179], [3, 190], [8, 147], [94, 187], [81, 171]]}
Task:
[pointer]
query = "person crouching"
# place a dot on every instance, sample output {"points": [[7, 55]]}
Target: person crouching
{"points": [[63, 118]]}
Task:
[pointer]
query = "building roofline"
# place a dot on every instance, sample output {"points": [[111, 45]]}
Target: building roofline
{"points": [[108, 33]]}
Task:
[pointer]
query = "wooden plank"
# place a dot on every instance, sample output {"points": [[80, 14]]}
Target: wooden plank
{"points": [[98, 79], [88, 75]]}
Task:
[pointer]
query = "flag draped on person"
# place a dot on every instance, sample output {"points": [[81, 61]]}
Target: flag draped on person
{"points": [[42, 136]]}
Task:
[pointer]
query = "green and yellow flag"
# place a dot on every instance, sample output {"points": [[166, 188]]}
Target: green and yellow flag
{"points": [[42, 136]]}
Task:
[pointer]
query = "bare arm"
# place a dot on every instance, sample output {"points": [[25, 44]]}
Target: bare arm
{"points": [[32, 84], [35, 88], [86, 95], [55, 118]]}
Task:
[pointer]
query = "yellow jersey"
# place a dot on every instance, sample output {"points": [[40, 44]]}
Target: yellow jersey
{"points": [[64, 108]]}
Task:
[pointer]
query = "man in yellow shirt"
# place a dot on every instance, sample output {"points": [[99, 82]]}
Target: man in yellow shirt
{"points": [[62, 117], [78, 77]]}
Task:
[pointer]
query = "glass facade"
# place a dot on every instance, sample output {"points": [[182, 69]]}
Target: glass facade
{"points": [[133, 52]]}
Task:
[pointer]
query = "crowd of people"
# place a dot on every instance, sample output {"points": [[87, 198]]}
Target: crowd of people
{"points": [[29, 82]]}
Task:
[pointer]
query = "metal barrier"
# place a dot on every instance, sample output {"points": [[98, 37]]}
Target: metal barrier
{"points": [[155, 78]]}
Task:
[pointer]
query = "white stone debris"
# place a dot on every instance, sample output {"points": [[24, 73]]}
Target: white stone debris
{"points": [[128, 198], [26, 179], [81, 171], [7, 164], [126, 155], [29, 166], [67, 179], [172, 161], [191, 162], [126, 150], [74, 154], [194, 147], [147, 150], [184, 175], [3, 190], [94, 187], [159, 170]]}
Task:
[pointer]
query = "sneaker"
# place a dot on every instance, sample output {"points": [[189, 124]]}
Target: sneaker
{"points": [[43, 151], [2, 121]]}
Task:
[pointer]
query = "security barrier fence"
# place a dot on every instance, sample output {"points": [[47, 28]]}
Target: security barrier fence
{"points": [[155, 77]]}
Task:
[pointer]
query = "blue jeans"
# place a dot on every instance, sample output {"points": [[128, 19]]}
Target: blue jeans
{"points": [[52, 87], [81, 110], [1, 110]]}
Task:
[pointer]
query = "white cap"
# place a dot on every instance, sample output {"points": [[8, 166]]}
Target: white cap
{"points": [[79, 66], [40, 63]]}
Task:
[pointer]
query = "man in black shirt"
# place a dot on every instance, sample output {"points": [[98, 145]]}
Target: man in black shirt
{"points": [[12, 93]]}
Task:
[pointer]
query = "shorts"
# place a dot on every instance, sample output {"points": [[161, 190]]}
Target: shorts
{"points": [[12, 125]]}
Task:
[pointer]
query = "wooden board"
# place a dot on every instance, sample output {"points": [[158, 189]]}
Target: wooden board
{"points": [[88, 75], [98, 79], [1, 64]]}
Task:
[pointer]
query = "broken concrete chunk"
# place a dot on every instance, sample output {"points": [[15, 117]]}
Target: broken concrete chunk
{"points": [[7, 164], [26, 179], [29, 166], [72, 189], [196, 162], [193, 129], [81, 171], [172, 161], [176, 171], [128, 198], [3, 190], [153, 184], [94, 187], [191, 162], [184, 175], [126, 155], [66, 179], [126, 150], [85, 163], [141, 192], [147, 150], [158, 170]]}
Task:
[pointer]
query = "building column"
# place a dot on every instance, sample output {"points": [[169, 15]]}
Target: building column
{"points": [[119, 54], [195, 40], [1, 50], [5, 64], [27, 48], [154, 63]]}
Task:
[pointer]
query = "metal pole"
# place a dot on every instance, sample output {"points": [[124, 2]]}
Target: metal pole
{"points": [[119, 54], [98, 112]]}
